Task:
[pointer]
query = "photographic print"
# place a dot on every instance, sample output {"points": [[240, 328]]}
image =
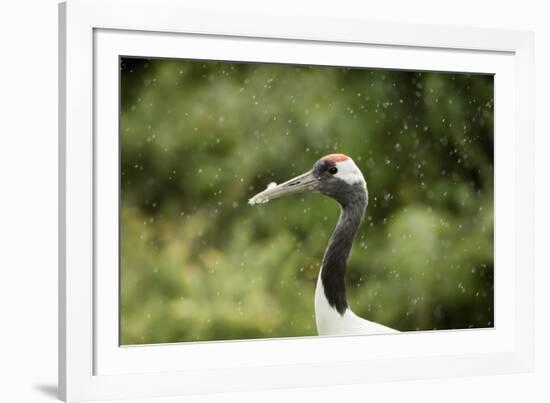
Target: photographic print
{"points": [[266, 200]]}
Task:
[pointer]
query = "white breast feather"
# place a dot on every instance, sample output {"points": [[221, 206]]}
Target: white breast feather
{"points": [[330, 322]]}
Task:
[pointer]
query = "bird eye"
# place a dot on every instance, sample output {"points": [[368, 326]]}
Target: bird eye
{"points": [[333, 170]]}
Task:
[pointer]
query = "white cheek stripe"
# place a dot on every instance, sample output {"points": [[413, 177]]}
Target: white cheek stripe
{"points": [[348, 172]]}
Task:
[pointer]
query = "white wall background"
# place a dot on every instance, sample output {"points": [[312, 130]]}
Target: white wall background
{"points": [[28, 200]]}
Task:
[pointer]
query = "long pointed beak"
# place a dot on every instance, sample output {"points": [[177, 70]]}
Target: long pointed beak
{"points": [[302, 183]]}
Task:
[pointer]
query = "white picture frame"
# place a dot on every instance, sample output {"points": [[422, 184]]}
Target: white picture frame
{"points": [[93, 34]]}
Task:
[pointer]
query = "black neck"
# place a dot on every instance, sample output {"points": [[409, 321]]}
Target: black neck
{"points": [[333, 269]]}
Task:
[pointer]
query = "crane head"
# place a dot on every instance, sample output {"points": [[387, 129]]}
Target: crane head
{"points": [[334, 175]]}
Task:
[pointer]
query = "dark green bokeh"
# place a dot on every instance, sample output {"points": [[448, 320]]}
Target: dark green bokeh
{"points": [[199, 138]]}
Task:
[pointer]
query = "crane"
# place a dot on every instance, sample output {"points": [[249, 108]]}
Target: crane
{"points": [[337, 177]]}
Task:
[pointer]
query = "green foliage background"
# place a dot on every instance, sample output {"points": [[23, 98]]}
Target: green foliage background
{"points": [[200, 138]]}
